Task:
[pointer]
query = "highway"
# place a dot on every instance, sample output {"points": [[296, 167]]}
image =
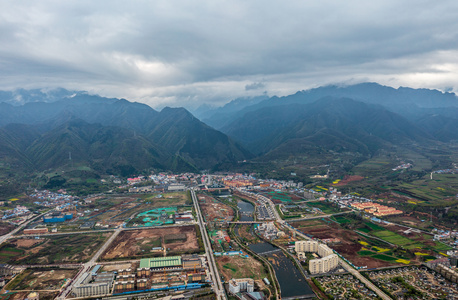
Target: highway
{"points": [[217, 285]]}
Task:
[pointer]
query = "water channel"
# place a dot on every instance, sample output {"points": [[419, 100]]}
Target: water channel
{"points": [[292, 284]]}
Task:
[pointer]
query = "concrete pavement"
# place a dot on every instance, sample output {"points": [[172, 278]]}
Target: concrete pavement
{"points": [[217, 285]]}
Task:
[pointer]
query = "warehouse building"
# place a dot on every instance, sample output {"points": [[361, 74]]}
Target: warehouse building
{"points": [[170, 262], [191, 262], [57, 217]]}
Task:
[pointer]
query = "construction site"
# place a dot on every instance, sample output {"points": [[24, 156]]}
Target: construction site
{"points": [[221, 242], [153, 274], [214, 211], [154, 242]]}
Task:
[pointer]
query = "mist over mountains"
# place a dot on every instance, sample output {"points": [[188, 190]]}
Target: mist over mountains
{"points": [[43, 130]]}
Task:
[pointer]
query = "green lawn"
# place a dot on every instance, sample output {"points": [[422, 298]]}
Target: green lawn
{"points": [[365, 253], [374, 226], [393, 238], [324, 207], [341, 220], [384, 257], [442, 247]]}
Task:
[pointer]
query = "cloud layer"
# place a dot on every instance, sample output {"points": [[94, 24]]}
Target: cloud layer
{"points": [[190, 52]]}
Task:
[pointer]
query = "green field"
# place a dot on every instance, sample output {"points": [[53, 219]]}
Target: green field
{"points": [[440, 187], [373, 226], [365, 253], [442, 247], [341, 219], [384, 257], [325, 207], [396, 239], [283, 197]]}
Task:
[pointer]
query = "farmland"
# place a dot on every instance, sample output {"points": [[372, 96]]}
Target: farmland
{"points": [[360, 249], [349, 242], [51, 250], [403, 237], [282, 197], [325, 207], [441, 187]]}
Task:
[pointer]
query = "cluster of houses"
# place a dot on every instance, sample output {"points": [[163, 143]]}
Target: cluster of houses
{"points": [[48, 198], [15, 212], [270, 231], [376, 209]]}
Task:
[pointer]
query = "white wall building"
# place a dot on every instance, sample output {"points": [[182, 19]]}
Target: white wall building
{"points": [[241, 285], [89, 285], [328, 260]]}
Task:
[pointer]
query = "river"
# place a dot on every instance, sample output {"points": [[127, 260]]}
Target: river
{"points": [[292, 284], [246, 210]]}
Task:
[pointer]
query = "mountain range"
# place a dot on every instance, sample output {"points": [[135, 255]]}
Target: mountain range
{"points": [[110, 135], [49, 130]]}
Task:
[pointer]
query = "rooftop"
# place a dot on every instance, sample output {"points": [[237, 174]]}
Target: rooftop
{"points": [[159, 262]]}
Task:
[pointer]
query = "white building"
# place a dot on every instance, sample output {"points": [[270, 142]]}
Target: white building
{"points": [[306, 246], [176, 187], [241, 285], [328, 260], [323, 265], [93, 285]]}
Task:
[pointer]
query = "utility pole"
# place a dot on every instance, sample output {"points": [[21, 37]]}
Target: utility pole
{"points": [[70, 158]]}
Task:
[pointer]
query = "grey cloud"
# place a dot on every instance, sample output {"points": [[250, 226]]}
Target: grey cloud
{"points": [[188, 52], [255, 86]]}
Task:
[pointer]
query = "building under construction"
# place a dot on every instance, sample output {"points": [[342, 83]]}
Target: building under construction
{"points": [[162, 273]]}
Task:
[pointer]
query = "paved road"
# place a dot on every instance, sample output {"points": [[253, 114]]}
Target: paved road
{"points": [[218, 287], [87, 266], [321, 216], [364, 280], [10, 234], [100, 230]]}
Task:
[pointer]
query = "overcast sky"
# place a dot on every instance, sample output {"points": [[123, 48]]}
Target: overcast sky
{"points": [[183, 53]]}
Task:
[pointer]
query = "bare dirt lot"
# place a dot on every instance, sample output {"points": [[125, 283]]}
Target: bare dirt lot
{"points": [[5, 228], [50, 250], [42, 279], [23, 295], [241, 267], [120, 266], [139, 243], [215, 211]]}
